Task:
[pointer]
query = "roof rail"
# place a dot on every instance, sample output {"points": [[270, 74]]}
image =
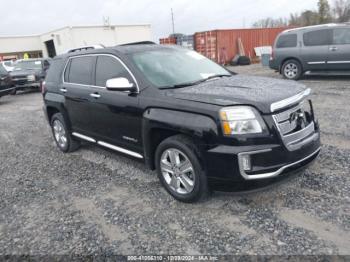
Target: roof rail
{"points": [[140, 43], [314, 26], [84, 48]]}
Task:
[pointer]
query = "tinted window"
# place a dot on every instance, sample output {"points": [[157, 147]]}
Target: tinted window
{"points": [[80, 71], [341, 36], [107, 68], [318, 37], [54, 73], [285, 41]]}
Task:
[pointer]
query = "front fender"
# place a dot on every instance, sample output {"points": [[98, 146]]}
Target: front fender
{"points": [[201, 128]]}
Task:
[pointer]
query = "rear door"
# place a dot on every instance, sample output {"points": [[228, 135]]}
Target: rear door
{"points": [[339, 51], [315, 50], [78, 78]]}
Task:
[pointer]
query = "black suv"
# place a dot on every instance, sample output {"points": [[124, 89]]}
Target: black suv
{"points": [[30, 73], [6, 86], [194, 121]]}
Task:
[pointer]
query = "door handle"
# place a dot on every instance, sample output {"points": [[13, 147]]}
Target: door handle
{"points": [[63, 90], [95, 95], [333, 48]]}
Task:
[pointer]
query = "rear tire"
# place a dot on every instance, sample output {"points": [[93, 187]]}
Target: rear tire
{"points": [[179, 169], [292, 70], [64, 140], [14, 92]]}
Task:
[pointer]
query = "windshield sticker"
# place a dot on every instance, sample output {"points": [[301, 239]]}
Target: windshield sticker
{"points": [[195, 55]]}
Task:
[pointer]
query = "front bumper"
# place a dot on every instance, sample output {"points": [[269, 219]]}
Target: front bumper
{"points": [[6, 91], [274, 65], [297, 164], [22, 85], [225, 163]]}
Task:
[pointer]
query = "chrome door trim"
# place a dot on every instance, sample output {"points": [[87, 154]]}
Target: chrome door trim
{"points": [[317, 63], [120, 149], [338, 62], [102, 87], [87, 138], [290, 101]]}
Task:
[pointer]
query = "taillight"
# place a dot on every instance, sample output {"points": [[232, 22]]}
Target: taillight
{"points": [[43, 87]]}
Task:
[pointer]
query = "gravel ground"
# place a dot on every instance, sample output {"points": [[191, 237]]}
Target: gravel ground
{"points": [[95, 201]]}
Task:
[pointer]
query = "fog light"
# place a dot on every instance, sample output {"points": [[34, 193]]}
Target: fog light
{"points": [[246, 162]]}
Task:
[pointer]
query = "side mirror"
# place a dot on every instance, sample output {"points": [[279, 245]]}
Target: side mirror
{"points": [[119, 84]]}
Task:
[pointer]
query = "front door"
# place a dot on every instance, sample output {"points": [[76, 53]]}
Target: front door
{"points": [[339, 51], [314, 53], [115, 116], [78, 78]]}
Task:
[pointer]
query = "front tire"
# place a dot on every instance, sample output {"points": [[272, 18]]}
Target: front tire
{"points": [[64, 140], [179, 169], [292, 70]]}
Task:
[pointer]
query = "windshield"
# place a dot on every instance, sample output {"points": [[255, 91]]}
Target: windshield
{"points": [[172, 67], [25, 65], [8, 63], [2, 70]]}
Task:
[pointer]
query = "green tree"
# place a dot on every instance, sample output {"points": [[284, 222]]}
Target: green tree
{"points": [[341, 11], [306, 18], [270, 22], [324, 12]]}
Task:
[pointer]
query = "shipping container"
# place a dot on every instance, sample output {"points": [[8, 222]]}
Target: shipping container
{"points": [[168, 41], [222, 45], [186, 41]]}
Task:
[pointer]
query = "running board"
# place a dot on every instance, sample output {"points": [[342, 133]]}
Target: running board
{"points": [[104, 144], [120, 149], [328, 73], [87, 138]]}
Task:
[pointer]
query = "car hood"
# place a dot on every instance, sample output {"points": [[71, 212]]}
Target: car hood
{"points": [[260, 92], [25, 72]]}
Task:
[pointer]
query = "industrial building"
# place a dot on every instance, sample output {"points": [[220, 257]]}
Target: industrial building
{"points": [[59, 41]]}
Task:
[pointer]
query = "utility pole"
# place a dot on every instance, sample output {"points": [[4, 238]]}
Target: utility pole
{"points": [[172, 19]]}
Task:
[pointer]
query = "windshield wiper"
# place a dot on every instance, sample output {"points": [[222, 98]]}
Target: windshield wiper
{"points": [[194, 83]]}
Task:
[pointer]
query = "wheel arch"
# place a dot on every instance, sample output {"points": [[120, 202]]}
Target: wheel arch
{"points": [[290, 58], [52, 109], [158, 126]]}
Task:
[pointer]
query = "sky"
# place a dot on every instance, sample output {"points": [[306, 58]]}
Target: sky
{"points": [[23, 17]]}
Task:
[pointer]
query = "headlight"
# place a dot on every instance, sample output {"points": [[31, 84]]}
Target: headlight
{"points": [[240, 120], [31, 78]]}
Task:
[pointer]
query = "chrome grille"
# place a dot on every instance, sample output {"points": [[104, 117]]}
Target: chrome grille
{"points": [[295, 124]]}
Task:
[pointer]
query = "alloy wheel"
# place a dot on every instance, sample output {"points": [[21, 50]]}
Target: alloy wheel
{"points": [[177, 171], [59, 133], [291, 70]]}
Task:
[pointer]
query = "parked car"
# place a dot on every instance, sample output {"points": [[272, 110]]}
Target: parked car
{"points": [[323, 49], [198, 124], [6, 86], [8, 65], [30, 73]]}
